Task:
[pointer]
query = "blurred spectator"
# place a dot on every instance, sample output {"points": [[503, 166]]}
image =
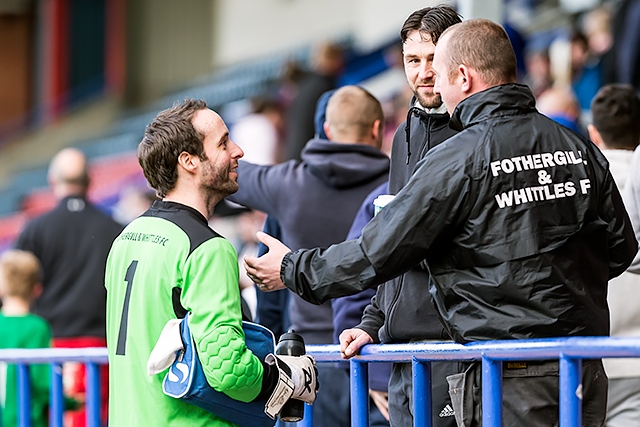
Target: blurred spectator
{"points": [[20, 284], [273, 307], [586, 75], [616, 131], [132, 203], [72, 243], [292, 73], [315, 202], [259, 133], [519, 44], [596, 26], [623, 65], [561, 106], [560, 53], [327, 64], [538, 75], [249, 223]]}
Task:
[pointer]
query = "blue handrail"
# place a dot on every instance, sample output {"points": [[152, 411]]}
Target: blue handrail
{"points": [[569, 351], [91, 357]]}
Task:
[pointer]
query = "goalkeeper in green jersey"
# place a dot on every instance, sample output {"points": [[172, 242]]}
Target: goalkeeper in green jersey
{"points": [[169, 262]]}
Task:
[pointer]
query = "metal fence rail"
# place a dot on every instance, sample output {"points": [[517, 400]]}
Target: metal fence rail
{"points": [[91, 357], [569, 351]]}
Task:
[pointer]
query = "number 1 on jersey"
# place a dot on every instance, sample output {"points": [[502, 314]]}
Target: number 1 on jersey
{"points": [[122, 334]]}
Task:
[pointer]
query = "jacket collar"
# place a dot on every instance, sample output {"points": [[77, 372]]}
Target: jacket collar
{"points": [[438, 115], [442, 109], [502, 100]]}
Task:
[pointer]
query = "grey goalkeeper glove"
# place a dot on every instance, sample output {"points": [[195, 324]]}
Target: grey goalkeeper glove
{"points": [[298, 379]]}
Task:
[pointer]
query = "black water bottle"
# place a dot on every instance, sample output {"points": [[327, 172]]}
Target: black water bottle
{"points": [[291, 344]]}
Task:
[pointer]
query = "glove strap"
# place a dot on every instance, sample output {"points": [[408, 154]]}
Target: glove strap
{"points": [[284, 387]]}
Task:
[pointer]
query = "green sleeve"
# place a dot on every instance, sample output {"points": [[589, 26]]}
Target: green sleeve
{"points": [[212, 295]]}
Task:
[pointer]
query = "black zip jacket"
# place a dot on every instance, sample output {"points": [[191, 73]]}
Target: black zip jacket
{"points": [[521, 231], [402, 309]]}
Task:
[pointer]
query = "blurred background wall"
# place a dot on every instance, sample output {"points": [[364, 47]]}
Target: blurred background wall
{"points": [[93, 73]]}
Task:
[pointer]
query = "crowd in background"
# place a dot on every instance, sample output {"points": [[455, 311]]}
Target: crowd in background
{"points": [[564, 67]]}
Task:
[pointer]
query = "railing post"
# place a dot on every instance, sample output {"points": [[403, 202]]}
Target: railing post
{"points": [[421, 393], [570, 391], [24, 395], [359, 393], [491, 392], [56, 396], [307, 419], [93, 394]]}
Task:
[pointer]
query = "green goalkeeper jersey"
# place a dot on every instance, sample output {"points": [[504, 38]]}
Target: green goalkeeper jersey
{"points": [[163, 264]]}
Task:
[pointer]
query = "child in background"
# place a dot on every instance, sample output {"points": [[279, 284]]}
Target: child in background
{"points": [[20, 283]]}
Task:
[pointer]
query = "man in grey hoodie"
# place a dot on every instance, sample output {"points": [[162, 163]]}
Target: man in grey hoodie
{"points": [[315, 201]]}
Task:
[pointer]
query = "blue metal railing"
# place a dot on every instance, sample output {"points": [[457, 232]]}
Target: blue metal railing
{"points": [[91, 357], [569, 351]]}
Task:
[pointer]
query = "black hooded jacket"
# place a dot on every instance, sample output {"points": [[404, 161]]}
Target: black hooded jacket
{"points": [[402, 309], [521, 231]]}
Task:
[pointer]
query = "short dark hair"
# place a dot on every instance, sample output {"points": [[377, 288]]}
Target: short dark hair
{"points": [[169, 134], [430, 21], [616, 116], [483, 45]]}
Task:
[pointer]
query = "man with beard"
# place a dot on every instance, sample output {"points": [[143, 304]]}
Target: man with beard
{"points": [[167, 263], [401, 310]]}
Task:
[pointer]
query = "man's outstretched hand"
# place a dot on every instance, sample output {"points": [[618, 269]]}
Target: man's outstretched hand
{"points": [[265, 271]]}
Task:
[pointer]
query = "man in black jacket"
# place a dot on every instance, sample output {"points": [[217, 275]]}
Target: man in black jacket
{"points": [[72, 242], [521, 231], [401, 310]]}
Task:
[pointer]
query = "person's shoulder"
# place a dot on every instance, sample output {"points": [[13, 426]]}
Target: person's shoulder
{"points": [[39, 323], [465, 142], [102, 216], [184, 220], [29, 325], [38, 330], [214, 246], [44, 218]]}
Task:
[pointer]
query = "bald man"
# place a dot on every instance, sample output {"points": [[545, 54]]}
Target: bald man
{"points": [[315, 201], [72, 243], [521, 231]]}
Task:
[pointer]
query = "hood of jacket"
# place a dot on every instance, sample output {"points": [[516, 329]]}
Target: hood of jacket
{"points": [[502, 100], [342, 165]]}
